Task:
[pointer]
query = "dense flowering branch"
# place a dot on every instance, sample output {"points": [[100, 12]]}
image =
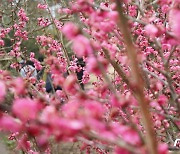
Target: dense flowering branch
{"points": [[103, 74]]}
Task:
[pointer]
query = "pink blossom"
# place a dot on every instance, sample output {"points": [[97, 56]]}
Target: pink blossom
{"points": [[42, 141], [44, 22], [23, 143], [58, 24], [49, 115], [9, 123], [115, 102], [70, 110], [151, 30], [34, 129], [19, 86], [119, 150], [163, 148], [81, 46], [33, 152], [166, 123], [70, 127], [2, 43], [132, 10], [162, 100], [37, 64], [22, 34], [70, 84], [86, 77], [32, 54], [65, 10], [22, 15], [126, 133], [174, 17], [162, 2], [113, 15], [70, 30], [94, 109], [42, 6], [93, 66], [107, 26], [165, 8], [3, 90], [158, 123], [25, 109], [95, 124]]}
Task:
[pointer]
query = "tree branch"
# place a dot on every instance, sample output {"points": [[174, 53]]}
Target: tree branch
{"points": [[138, 81]]}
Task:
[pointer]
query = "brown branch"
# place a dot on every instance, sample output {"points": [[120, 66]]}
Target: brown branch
{"points": [[155, 68], [170, 56], [156, 76], [117, 67], [138, 81], [118, 142]]}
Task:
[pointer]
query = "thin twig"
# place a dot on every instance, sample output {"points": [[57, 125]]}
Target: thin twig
{"points": [[119, 142], [156, 76], [117, 67]]}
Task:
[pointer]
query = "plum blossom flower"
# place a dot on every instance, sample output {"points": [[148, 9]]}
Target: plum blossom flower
{"points": [[70, 30], [70, 127], [25, 109], [70, 109], [81, 46], [19, 86], [151, 30], [2, 43], [163, 148], [119, 150], [174, 17], [65, 10], [42, 6], [44, 22], [22, 15], [23, 143], [162, 100], [49, 115], [94, 109], [70, 84], [9, 123], [3, 90], [92, 64], [126, 133], [113, 15]]}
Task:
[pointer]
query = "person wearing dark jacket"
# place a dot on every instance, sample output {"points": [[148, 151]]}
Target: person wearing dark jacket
{"points": [[49, 85], [47, 78], [80, 73]]}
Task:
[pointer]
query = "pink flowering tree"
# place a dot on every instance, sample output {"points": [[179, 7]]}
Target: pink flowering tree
{"points": [[131, 47]]}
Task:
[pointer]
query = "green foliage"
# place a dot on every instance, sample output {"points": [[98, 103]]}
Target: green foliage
{"points": [[30, 46], [10, 144]]}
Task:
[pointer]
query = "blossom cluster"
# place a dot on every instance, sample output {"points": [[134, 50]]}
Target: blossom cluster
{"points": [[113, 112]]}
